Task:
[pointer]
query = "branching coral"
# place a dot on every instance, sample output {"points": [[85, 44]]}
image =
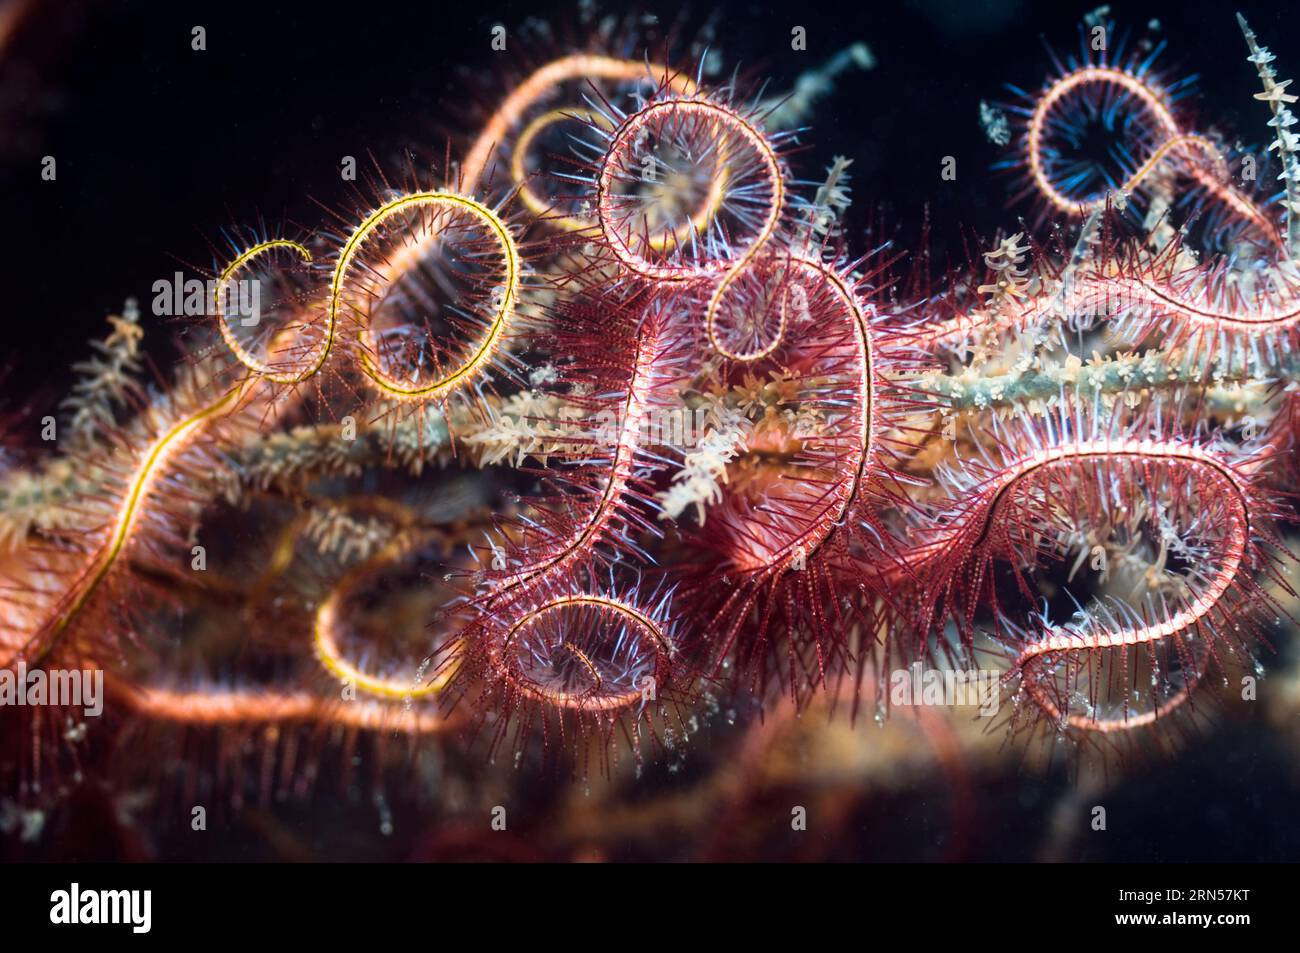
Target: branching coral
{"points": [[714, 453]]}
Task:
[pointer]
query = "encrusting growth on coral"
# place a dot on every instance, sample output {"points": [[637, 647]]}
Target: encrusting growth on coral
{"points": [[1287, 144], [612, 425]]}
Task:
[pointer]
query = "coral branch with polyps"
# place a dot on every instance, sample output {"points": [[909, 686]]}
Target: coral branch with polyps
{"points": [[612, 422]]}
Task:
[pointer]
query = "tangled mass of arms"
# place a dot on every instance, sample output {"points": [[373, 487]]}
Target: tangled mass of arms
{"points": [[610, 421]]}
